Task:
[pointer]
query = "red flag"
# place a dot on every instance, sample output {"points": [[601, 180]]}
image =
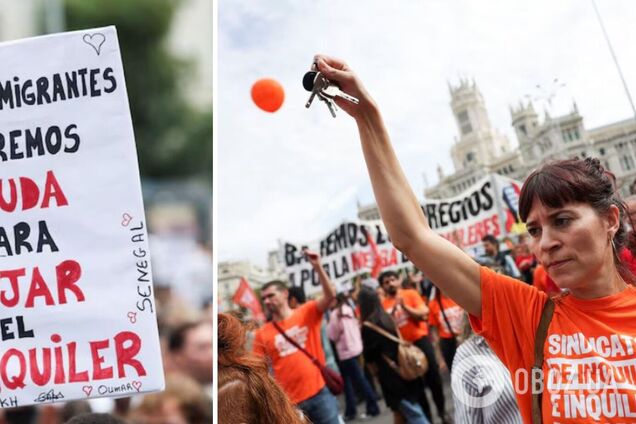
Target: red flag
{"points": [[245, 296], [375, 254]]}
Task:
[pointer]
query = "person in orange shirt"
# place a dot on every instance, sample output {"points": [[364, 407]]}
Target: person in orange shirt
{"points": [[626, 253], [445, 319], [299, 377], [410, 314], [583, 371]]}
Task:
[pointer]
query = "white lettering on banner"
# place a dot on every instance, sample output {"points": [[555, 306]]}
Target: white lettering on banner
{"points": [[355, 248], [352, 249], [284, 347], [466, 207]]}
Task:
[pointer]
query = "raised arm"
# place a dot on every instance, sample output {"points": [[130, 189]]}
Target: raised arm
{"points": [[445, 264], [328, 290]]}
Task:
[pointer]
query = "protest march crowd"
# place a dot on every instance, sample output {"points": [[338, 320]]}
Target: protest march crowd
{"points": [[538, 329], [186, 332], [335, 330]]}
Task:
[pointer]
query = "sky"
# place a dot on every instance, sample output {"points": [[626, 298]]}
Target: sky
{"points": [[297, 173]]}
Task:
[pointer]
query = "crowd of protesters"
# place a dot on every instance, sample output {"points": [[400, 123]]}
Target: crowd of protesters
{"points": [[357, 334], [186, 336], [580, 232], [303, 337]]}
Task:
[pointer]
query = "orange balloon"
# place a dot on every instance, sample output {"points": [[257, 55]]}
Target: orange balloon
{"points": [[268, 94]]}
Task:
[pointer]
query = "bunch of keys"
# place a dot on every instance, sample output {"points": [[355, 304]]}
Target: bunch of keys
{"points": [[326, 90]]}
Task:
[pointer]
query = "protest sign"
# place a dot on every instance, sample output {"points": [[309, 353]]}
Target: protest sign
{"points": [[353, 248], [77, 313], [490, 206]]}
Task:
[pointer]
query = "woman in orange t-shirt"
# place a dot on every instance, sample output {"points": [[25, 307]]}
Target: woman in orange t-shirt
{"points": [[576, 223]]}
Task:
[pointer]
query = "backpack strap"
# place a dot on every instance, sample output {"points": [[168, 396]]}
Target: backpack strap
{"points": [[539, 342], [385, 333], [438, 295]]}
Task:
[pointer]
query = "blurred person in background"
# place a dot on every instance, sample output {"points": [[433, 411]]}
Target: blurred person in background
{"points": [[476, 374], [191, 353], [445, 322], [525, 260], [297, 298], [182, 402], [410, 313], [400, 395], [344, 330], [20, 415], [73, 409], [297, 374], [246, 392], [498, 257], [626, 252], [90, 418], [172, 311]]}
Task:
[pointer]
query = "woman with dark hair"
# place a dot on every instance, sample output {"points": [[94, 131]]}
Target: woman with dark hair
{"points": [[247, 394], [400, 395], [344, 330], [583, 341]]}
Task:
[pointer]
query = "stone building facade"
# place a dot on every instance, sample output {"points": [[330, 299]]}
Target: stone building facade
{"points": [[231, 272], [479, 149]]}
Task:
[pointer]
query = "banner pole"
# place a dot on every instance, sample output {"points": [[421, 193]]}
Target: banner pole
{"points": [[494, 181]]}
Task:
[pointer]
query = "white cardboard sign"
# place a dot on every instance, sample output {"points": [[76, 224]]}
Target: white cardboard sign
{"points": [[77, 311]]}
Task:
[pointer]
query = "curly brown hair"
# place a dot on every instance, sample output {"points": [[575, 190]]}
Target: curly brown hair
{"points": [[246, 391]]}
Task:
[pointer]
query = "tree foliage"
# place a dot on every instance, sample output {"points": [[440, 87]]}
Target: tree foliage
{"points": [[174, 139]]}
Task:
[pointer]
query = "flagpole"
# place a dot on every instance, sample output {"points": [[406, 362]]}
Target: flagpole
{"points": [[611, 49]]}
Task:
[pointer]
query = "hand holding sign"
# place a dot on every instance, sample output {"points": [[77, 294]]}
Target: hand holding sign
{"points": [[312, 257]]}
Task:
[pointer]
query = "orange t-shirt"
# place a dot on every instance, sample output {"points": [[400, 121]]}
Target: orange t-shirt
{"points": [[590, 350], [543, 282], [410, 329], [293, 370], [454, 315]]}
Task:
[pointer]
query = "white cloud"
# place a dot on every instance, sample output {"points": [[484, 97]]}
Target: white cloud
{"points": [[294, 174]]}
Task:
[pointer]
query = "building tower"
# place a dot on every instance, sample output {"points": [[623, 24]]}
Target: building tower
{"points": [[526, 124], [478, 143]]}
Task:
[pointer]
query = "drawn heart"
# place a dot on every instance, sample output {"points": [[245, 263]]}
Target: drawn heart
{"points": [[125, 219], [96, 41], [132, 316], [87, 390], [136, 385]]}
